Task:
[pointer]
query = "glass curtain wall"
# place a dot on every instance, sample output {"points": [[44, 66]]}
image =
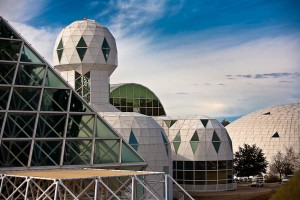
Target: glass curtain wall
{"points": [[136, 98], [43, 122]]}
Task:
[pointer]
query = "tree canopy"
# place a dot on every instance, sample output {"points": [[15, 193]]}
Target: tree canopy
{"points": [[249, 161]]}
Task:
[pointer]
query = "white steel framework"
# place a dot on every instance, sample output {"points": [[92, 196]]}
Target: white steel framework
{"points": [[83, 184]]}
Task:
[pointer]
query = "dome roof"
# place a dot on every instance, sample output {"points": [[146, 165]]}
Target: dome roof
{"points": [[85, 45], [272, 129]]}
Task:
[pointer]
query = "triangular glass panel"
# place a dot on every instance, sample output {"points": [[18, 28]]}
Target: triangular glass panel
{"points": [[176, 146], [173, 122], [81, 52], [106, 151], [25, 98], [55, 99], [164, 138], [51, 126], [133, 141], [30, 75], [78, 152], [60, 45], [204, 122], [105, 49], [178, 137], [6, 32], [81, 126], [27, 55], [194, 146], [103, 131], [53, 80], [215, 137], [10, 50], [276, 135], [229, 139], [78, 105], [14, 153], [81, 43], [46, 153], [19, 126], [217, 146], [7, 72], [4, 93], [128, 155], [59, 53], [195, 137]]}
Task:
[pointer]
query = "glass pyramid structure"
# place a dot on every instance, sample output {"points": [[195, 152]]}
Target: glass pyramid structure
{"points": [[44, 123]]}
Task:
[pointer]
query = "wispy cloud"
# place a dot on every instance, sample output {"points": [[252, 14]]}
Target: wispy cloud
{"points": [[266, 75]]}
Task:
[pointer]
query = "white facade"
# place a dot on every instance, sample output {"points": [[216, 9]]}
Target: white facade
{"points": [[85, 54], [201, 152], [271, 129]]}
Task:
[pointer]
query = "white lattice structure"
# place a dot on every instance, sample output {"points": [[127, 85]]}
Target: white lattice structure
{"points": [[145, 135], [85, 53], [202, 153], [271, 129]]}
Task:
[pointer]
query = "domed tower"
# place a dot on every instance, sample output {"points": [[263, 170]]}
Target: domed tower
{"points": [[85, 54]]}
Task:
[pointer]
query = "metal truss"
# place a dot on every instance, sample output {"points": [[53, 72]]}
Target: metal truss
{"points": [[133, 187]]}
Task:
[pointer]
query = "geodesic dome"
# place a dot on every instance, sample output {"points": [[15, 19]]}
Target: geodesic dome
{"points": [[202, 153], [85, 45], [271, 129]]}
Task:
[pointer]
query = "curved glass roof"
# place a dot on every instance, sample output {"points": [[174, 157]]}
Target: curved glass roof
{"points": [[133, 97]]}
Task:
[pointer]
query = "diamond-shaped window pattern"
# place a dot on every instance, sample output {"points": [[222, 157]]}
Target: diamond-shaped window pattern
{"points": [[81, 48], [216, 141], [133, 141], [43, 120], [105, 49], [204, 122], [177, 142], [194, 142], [60, 49]]}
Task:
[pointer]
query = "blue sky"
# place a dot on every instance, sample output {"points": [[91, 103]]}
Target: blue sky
{"points": [[201, 57]]}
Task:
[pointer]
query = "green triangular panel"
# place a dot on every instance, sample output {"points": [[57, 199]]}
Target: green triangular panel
{"points": [[103, 131], [128, 155], [178, 137], [28, 55], [215, 137], [172, 122], [204, 122], [53, 80], [229, 139], [217, 146], [194, 146], [6, 32], [60, 45], [133, 141], [176, 146], [164, 138], [81, 43], [276, 135], [81, 52], [195, 137], [59, 54]]}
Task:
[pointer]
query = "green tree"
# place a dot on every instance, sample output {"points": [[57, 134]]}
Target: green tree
{"points": [[284, 164], [249, 161]]}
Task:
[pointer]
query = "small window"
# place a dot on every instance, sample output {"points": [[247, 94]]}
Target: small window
{"points": [[276, 135]]}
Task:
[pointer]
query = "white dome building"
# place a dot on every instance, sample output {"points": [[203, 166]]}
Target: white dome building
{"points": [[85, 54], [271, 129], [145, 135], [201, 152]]}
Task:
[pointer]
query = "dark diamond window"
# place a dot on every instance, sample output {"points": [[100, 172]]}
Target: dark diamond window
{"points": [[81, 48], [276, 135], [105, 49], [60, 49]]}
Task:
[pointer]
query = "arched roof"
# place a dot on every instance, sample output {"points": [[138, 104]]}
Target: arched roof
{"points": [[133, 97]]}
